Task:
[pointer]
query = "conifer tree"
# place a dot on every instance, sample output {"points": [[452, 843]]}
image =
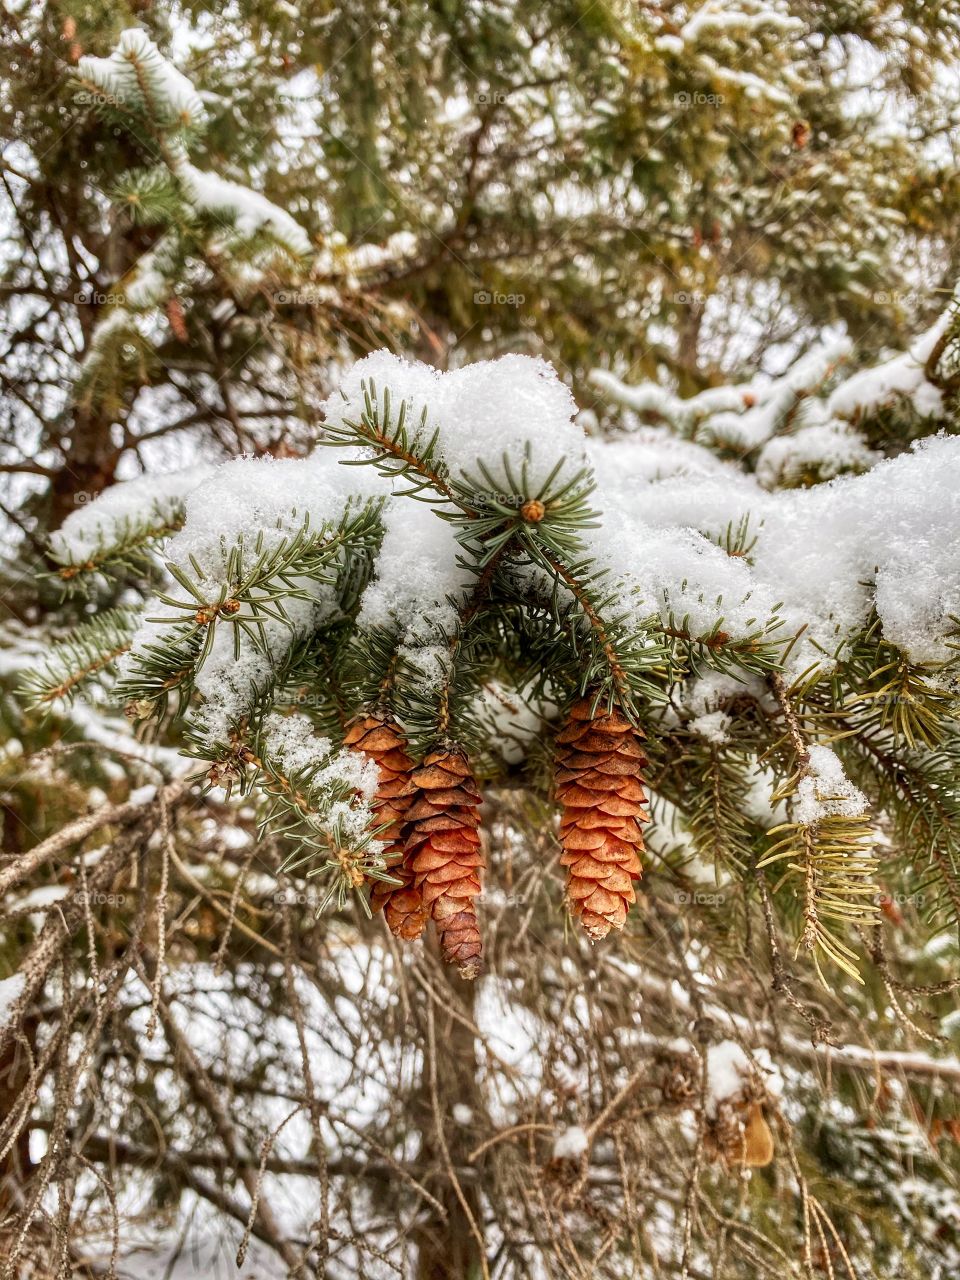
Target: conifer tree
{"points": [[528, 839]]}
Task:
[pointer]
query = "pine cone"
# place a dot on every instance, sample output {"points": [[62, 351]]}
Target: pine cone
{"points": [[443, 847], [599, 785], [176, 320], [382, 741]]}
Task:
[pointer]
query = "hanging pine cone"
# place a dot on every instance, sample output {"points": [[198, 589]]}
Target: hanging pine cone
{"points": [[176, 320], [443, 847], [382, 741], [599, 785]]}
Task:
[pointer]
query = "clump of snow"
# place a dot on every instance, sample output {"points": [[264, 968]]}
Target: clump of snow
{"points": [[462, 1113], [826, 791], [570, 1143], [655, 400], [750, 429], [728, 1073], [888, 539], [815, 561], [823, 450], [702, 698], [344, 782], [715, 19], [901, 376], [168, 98], [247, 210], [759, 802], [146, 501], [11, 989], [515, 408], [418, 579]]}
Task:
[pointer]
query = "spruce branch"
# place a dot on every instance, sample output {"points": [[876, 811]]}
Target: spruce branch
{"points": [[126, 547], [257, 579], [313, 811], [396, 450], [87, 652], [832, 855]]}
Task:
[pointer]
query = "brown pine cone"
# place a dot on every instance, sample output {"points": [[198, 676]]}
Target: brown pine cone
{"points": [[175, 317], [443, 847], [383, 742], [599, 785]]}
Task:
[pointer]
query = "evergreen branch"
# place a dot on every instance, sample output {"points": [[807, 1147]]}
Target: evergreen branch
{"points": [[711, 789], [88, 651], [396, 451], [834, 859], [581, 580], [158, 669], [123, 546], [257, 580], [315, 809], [921, 791], [877, 687], [832, 854]]}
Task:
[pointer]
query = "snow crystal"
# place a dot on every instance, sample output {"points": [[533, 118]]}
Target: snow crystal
{"points": [[702, 698], [570, 1143], [712, 725], [294, 744], [267, 496], [826, 791]]}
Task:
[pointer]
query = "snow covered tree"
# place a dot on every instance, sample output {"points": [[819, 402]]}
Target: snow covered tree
{"points": [[504, 840], [197, 243]]}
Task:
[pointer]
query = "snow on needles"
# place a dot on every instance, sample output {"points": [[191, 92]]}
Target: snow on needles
{"points": [[515, 408], [818, 559], [249, 211], [889, 539], [296, 749], [171, 98], [825, 791], [144, 502], [262, 503], [419, 576]]}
